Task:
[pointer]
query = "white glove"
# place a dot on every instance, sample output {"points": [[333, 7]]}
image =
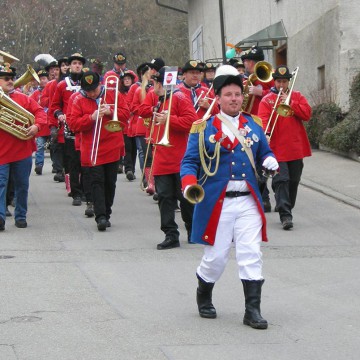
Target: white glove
{"points": [[270, 163]]}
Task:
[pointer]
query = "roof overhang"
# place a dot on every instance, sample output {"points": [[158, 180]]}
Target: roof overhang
{"points": [[267, 37]]}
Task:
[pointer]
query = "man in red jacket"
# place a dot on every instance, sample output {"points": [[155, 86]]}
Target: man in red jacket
{"points": [[167, 159], [15, 153], [90, 111], [289, 142]]}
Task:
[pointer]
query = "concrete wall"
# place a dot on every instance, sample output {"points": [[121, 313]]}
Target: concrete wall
{"points": [[320, 33]]}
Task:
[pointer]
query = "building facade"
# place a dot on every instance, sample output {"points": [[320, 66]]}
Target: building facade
{"points": [[322, 38]]}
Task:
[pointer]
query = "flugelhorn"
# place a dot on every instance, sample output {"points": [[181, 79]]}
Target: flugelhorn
{"points": [[285, 109], [28, 76]]}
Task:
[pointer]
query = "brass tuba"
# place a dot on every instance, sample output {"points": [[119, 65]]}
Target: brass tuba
{"points": [[14, 119], [25, 78], [263, 72]]}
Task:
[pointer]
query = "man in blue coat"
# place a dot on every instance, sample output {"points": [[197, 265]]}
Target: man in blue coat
{"points": [[221, 156]]}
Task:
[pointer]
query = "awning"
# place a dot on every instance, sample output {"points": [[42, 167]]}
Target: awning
{"points": [[267, 37]]}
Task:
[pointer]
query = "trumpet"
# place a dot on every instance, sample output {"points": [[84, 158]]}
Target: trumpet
{"points": [[194, 194], [206, 97]]}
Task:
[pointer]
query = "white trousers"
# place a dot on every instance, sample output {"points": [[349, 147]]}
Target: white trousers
{"points": [[240, 221]]}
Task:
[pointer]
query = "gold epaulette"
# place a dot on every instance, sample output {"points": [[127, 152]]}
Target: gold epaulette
{"points": [[198, 126], [257, 119]]}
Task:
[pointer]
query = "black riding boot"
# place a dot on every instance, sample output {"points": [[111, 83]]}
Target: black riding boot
{"points": [[204, 299], [252, 292]]}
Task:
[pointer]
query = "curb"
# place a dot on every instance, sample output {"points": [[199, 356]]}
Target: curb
{"points": [[331, 193]]}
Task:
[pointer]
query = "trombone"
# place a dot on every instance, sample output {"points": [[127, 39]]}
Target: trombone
{"points": [[112, 125], [283, 109]]}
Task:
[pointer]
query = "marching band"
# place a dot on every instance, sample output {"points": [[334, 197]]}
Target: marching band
{"points": [[204, 142]]}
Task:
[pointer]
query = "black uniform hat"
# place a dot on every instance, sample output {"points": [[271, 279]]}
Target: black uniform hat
{"points": [[209, 66], [192, 65], [77, 56], [128, 73], [90, 81], [52, 65], [119, 58], [236, 63], [7, 70], [282, 72], [226, 75], [64, 59], [156, 64], [254, 53], [42, 73], [142, 69], [159, 76]]}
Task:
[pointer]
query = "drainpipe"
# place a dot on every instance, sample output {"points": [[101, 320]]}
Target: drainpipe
{"points": [[222, 31]]}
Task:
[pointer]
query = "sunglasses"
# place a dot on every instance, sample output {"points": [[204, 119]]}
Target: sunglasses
{"points": [[7, 78]]}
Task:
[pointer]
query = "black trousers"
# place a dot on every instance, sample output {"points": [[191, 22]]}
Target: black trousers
{"points": [[103, 185], [86, 182], [168, 188], [58, 157], [130, 153], [73, 167], [285, 185]]}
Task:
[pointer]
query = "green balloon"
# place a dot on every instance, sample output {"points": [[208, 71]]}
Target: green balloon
{"points": [[230, 53]]}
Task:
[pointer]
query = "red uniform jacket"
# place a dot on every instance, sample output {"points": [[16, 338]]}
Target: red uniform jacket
{"points": [[111, 144], [36, 95], [167, 160], [289, 140], [45, 101], [13, 149], [265, 90], [141, 129], [202, 90], [59, 106]]}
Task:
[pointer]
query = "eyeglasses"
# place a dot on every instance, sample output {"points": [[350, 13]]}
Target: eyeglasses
{"points": [[7, 78]]}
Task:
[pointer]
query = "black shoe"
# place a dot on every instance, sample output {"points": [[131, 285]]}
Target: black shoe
{"points": [[168, 244], [76, 201], [89, 211], [155, 197], [8, 213], [59, 177], [2, 224], [38, 169], [287, 223], [101, 223], [120, 169], [130, 175], [267, 206], [108, 223], [21, 223]]}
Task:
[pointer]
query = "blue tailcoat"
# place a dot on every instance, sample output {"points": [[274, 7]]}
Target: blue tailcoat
{"points": [[234, 165]]}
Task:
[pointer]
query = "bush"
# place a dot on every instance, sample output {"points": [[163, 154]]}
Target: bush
{"points": [[324, 117], [345, 136]]}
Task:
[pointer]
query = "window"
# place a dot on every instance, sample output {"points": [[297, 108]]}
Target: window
{"points": [[321, 77], [197, 44]]}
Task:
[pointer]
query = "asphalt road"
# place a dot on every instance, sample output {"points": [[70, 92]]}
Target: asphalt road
{"points": [[70, 292]]}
